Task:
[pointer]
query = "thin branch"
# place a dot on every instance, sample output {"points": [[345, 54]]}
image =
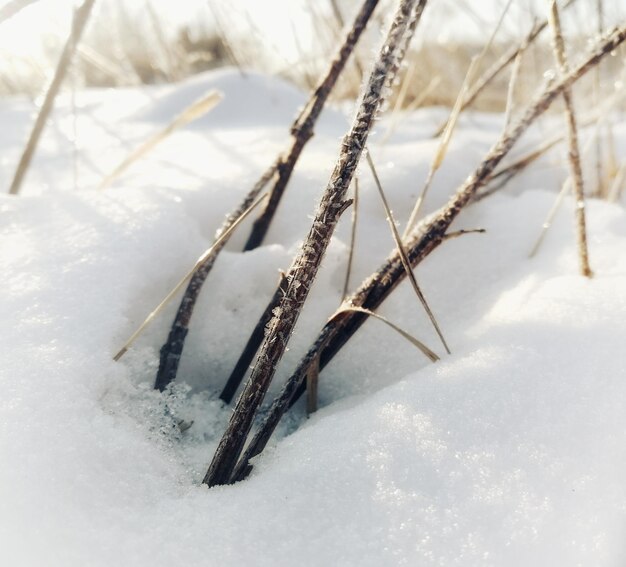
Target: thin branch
{"points": [[280, 171], [304, 269], [303, 128]]}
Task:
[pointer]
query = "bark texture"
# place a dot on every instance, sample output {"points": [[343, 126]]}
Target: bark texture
{"points": [[302, 273]]}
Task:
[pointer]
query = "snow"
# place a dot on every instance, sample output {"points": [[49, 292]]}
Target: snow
{"points": [[511, 451]]}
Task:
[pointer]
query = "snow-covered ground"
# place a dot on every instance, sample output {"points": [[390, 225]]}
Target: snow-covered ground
{"points": [[509, 452]]}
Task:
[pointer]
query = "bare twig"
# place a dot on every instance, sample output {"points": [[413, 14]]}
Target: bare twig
{"points": [[280, 171], [303, 128], [572, 139], [79, 21], [427, 236], [306, 264]]}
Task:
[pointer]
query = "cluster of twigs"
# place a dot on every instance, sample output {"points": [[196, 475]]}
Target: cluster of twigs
{"points": [[273, 330], [421, 237]]}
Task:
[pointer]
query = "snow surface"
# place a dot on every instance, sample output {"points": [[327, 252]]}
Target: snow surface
{"points": [[512, 451]]}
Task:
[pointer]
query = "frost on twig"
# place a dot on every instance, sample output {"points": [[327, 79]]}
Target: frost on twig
{"points": [[306, 264], [426, 237], [279, 172]]}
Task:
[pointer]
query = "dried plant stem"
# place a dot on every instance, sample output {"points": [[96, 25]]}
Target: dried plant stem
{"points": [[428, 353], [426, 237], [566, 186], [172, 349], [442, 148], [188, 276], [81, 16], [303, 128], [306, 264], [572, 139], [617, 186], [451, 122], [504, 175], [550, 216], [280, 171], [402, 252], [510, 97], [195, 110], [355, 220]]}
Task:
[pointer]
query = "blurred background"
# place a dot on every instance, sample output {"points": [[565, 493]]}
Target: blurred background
{"points": [[155, 41]]}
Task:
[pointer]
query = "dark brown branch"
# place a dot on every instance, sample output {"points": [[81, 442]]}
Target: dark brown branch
{"points": [[172, 349], [304, 269], [247, 355], [426, 238], [303, 128], [252, 346]]}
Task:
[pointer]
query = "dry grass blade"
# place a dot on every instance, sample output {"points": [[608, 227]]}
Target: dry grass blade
{"points": [[617, 186], [450, 125], [507, 58], [355, 220], [442, 149], [403, 255], [194, 111], [187, 277], [415, 342], [565, 188], [304, 268], [572, 139], [510, 96], [430, 88], [81, 16], [550, 217]]}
